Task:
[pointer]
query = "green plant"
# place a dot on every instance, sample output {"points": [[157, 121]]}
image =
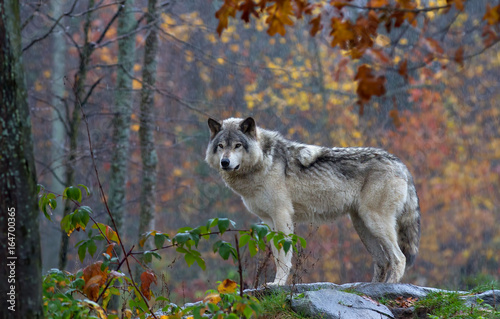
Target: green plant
{"points": [[450, 305], [95, 283], [277, 305], [58, 300]]}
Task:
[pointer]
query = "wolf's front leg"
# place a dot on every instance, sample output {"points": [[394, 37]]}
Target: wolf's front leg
{"points": [[283, 262]]}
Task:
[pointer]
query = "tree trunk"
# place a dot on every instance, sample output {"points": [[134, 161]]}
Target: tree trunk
{"points": [[58, 117], [20, 274], [146, 130], [123, 110], [74, 125]]}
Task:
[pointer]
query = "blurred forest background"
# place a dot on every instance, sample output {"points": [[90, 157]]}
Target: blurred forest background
{"points": [[149, 73]]}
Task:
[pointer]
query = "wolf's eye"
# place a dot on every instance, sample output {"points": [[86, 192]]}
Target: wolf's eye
{"points": [[221, 146], [237, 145]]}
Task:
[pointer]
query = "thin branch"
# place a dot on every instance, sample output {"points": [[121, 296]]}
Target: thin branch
{"points": [[50, 29], [394, 9], [101, 191]]}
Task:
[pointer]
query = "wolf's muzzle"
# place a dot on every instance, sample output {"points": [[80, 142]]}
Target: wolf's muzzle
{"points": [[225, 163]]}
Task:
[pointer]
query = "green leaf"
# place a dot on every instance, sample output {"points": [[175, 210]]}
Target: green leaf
{"points": [[66, 223], [223, 225], [287, 244], [303, 242], [92, 247], [39, 188], [252, 248], [190, 259], [147, 257], [244, 239], [156, 255], [85, 188], [182, 238], [225, 250], [73, 193], [260, 231], [52, 203], [159, 240], [81, 251], [212, 222], [201, 263]]}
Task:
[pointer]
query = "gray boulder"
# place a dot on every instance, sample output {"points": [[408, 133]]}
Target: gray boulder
{"points": [[334, 304]]}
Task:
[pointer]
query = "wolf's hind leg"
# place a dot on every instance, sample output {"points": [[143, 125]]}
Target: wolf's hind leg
{"points": [[380, 239]]}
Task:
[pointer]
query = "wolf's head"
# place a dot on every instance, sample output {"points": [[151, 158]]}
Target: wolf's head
{"points": [[233, 145]]}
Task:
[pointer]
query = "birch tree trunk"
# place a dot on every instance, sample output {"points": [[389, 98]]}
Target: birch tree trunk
{"points": [[123, 110], [146, 130], [74, 125], [20, 274]]}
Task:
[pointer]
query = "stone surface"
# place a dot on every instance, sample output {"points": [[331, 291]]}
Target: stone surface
{"points": [[490, 297], [335, 304]]}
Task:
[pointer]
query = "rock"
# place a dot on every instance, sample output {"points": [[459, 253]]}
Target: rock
{"points": [[490, 297], [389, 291], [333, 304]]}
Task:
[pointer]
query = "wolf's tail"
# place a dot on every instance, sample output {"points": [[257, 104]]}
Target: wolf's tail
{"points": [[409, 225]]}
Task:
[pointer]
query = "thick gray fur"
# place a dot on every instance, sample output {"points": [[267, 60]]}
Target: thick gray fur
{"points": [[284, 182]]}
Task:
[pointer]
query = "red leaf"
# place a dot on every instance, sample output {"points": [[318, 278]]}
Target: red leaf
{"points": [[316, 25], [147, 278], [248, 8], [459, 56]]}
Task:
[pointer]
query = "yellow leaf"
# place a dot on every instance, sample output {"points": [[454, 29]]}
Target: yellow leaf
{"points": [[136, 85], [46, 74], [227, 286], [135, 127], [212, 298]]}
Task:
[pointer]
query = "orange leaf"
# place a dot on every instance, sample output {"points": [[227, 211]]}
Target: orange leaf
{"points": [[492, 15], [227, 10], [227, 286], [394, 114], [94, 278], [378, 3], [147, 278], [279, 16], [212, 298], [109, 249]]}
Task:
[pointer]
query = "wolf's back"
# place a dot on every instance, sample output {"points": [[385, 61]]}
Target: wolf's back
{"points": [[409, 225]]}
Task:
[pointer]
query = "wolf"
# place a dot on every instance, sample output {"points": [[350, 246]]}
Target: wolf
{"points": [[284, 182]]}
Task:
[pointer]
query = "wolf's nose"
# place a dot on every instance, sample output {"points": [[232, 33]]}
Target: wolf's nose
{"points": [[224, 162]]}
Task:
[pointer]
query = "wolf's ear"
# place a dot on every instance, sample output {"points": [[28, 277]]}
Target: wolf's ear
{"points": [[248, 127], [214, 127]]}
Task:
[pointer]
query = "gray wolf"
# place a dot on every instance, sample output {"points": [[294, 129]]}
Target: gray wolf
{"points": [[284, 182]]}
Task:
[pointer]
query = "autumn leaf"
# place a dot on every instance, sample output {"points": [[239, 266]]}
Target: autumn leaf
{"points": [[403, 69], [378, 3], [394, 114], [227, 286], [94, 278], [459, 56], [316, 25], [212, 298], [109, 249], [368, 84], [492, 15], [248, 8], [227, 10], [279, 16], [147, 278]]}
